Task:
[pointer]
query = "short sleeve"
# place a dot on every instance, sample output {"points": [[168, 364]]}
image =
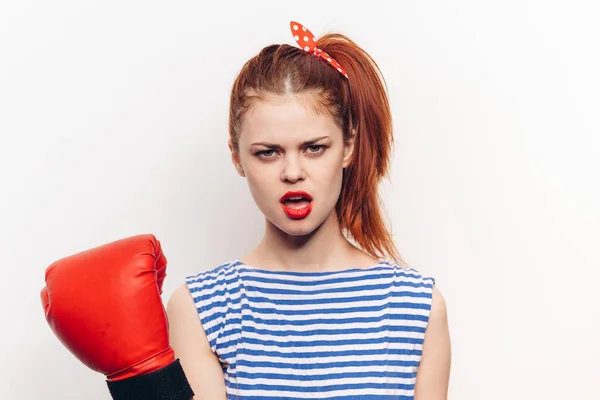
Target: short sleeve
{"points": [[417, 289], [209, 289], [414, 291]]}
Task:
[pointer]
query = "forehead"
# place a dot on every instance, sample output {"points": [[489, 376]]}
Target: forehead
{"points": [[287, 119]]}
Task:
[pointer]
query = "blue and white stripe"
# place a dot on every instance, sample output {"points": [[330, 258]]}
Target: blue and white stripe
{"points": [[352, 334]]}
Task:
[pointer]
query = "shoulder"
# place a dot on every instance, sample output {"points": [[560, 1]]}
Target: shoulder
{"points": [[181, 307], [419, 288], [194, 312], [211, 293], [434, 365], [412, 278], [213, 281], [213, 274], [183, 317], [438, 307]]}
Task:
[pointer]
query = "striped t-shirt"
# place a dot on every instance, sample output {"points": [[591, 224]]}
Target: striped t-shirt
{"points": [[351, 334]]}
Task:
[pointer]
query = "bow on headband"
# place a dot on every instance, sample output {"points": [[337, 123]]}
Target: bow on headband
{"points": [[308, 42]]}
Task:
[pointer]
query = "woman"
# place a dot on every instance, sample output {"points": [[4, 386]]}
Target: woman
{"points": [[307, 313]]}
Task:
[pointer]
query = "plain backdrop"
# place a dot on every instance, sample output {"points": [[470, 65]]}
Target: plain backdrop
{"points": [[113, 122]]}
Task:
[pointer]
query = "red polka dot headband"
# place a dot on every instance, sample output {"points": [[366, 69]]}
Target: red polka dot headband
{"points": [[308, 42]]}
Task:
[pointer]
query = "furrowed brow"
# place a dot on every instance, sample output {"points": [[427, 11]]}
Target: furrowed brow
{"points": [[277, 146]]}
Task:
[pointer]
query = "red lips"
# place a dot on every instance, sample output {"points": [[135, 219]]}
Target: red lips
{"points": [[303, 199]]}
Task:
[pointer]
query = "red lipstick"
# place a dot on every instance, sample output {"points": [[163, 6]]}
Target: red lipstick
{"points": [[296, 204]]}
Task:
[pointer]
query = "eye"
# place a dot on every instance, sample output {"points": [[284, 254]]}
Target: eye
{"points": [[316, 149], [265, 154]]}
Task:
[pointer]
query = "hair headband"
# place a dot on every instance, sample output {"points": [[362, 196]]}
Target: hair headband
{"points": [[308, 42]]}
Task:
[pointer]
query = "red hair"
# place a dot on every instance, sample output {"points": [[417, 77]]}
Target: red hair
{"points": [[358, 105]]}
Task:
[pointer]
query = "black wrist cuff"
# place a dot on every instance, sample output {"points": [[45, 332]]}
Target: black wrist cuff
{"points": [[168, 383]]}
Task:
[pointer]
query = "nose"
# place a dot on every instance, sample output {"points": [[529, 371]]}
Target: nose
{"points": [[292, 170]]}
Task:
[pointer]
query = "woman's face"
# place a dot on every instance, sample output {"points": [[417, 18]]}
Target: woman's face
{"points": [[286, 146]]}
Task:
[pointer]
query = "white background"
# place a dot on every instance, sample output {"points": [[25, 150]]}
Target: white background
{"points": [[113, 122]]}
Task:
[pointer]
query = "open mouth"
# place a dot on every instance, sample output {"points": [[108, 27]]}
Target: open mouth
{"points": [[296, 204], [296, 199]]}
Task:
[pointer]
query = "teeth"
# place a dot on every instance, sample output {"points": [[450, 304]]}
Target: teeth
{"points": [[297, 198]]}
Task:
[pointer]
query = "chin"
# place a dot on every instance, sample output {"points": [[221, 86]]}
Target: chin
{"points": [[292, 227], [298, 227]]}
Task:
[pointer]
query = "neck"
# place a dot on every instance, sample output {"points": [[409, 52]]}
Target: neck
{"points": [[324, 249]]}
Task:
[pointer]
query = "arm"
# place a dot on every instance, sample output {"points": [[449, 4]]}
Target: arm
{"points": [[188, 340], [434, 370]]}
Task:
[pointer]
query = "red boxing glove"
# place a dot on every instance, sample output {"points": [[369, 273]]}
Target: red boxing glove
{"points": [[104, 305]]}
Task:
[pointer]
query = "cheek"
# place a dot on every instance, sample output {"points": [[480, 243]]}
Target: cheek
{"points": [[260, 181], [328, 169], [327, 180], [257, 183]]}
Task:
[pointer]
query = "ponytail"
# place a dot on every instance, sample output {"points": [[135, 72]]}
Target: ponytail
{"points": [[358, 208]]}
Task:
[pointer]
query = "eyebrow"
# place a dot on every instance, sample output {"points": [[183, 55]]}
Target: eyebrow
{"points": [[273, 145]]}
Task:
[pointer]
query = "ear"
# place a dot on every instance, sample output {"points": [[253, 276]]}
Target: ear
{"points": [[349, 149], [235, 159]]}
